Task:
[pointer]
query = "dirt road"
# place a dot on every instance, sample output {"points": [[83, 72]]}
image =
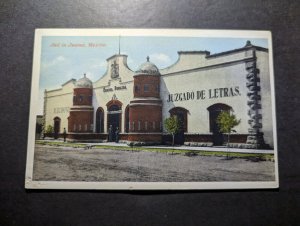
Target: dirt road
{"points": [[75, 164]]}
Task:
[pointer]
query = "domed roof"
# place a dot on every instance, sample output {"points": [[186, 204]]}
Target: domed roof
{"points": [[84, 83], [147, 68]]}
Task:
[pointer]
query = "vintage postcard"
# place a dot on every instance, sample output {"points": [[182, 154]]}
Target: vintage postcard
{"points": [[152, 109]]}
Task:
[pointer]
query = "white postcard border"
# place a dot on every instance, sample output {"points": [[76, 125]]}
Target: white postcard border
{"points": [[39, 33]]}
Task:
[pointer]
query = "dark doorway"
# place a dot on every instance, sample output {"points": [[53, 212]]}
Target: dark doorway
{"points": [[126, 125], [56, 127], [179, 137], [214, 111], [100, 120], [114, 119], [181, 114]]}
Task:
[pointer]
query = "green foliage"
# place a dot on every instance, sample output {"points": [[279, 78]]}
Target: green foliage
{"points": [[172, 125], [49, 129], [227, 122]]}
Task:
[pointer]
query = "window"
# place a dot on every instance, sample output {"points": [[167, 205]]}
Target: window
{"points": [[182, 115], [127, 124], [157, 88], [146, 125], [136, 88], [80, 98], [74, 128], [139, 125], [79, 127], [100, 120], [85, 127], [146, 88], [133, 126], [91, 127], [74, 98], [153, 124]]}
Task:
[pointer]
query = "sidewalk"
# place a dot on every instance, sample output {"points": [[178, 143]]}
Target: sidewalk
{"points": [[182, 147]]}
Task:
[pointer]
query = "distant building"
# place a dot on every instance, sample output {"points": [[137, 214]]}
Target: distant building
{"points": [[39, 126], [196, 89]]}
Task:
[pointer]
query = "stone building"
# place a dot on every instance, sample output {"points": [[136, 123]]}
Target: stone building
{"points": [[196, 89]]}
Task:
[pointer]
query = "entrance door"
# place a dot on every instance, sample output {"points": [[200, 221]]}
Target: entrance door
{"points": [[126, 125], [56, 127], [214, 112], [181, 114], [99, 120], [179, 137], [113, 119], [218, 138]]}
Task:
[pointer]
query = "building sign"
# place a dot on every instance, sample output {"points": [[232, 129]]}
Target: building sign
{"points": [[120, 87], [105, 90], [61, 110], [204, 94]]}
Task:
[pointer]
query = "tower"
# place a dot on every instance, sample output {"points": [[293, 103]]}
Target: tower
{"points": [[80, 119], [145, 110]]}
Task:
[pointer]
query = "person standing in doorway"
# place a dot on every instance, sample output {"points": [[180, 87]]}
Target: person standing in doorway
{"points": [[117, 135], [65, 134], [110, 133]]}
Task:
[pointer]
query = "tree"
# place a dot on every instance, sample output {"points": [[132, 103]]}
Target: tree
{"points": [[172, 125], [227, 122], [49, 129]]}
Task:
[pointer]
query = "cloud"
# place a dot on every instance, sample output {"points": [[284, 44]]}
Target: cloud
{"points": [[96, 64], [160, 59], [57, 60]]}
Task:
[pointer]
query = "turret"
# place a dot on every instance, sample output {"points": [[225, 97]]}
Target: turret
{"points": [[145, 110], [81, 114]]}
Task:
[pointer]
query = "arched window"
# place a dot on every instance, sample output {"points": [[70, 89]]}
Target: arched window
{"points": [[126, 125], [56, 126], [100, 120], [214, 111], [181, 113]]}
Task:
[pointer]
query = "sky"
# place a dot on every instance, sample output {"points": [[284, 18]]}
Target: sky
{"points": [[66, 57]]}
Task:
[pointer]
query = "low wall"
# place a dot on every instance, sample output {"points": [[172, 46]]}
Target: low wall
{"points": [[152, 137]]}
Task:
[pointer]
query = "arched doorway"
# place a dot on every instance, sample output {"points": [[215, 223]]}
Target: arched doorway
{"points": [[100, 120], [56, 127], [214, 111], [181, 114], [126, 124], [114, 116]]}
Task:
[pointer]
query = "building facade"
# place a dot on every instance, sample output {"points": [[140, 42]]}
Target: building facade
{"points": [[196, 89]]}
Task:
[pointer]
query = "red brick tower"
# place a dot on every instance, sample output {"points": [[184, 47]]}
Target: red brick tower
{"points": [[81, 114], [145, 110]]}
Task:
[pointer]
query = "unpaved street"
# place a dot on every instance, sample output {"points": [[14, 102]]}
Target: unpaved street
{"points": [[75, 164]]}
